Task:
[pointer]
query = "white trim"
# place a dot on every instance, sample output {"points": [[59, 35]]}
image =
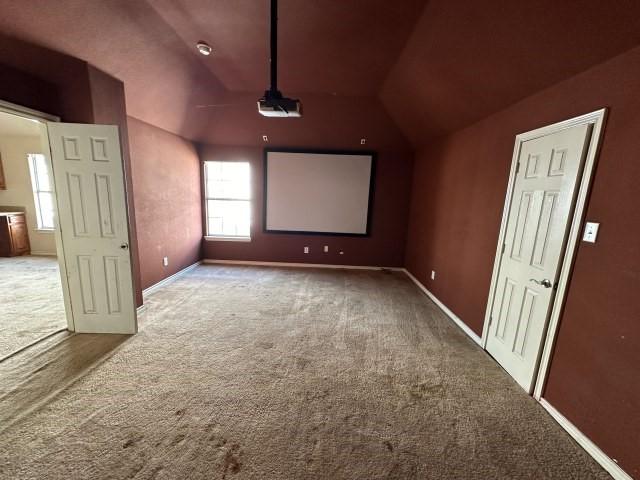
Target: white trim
{"points": [[591, 448], [463, 326], [156, 286], [298, 265], [596, 120], [214, 238], [43, 254], [140, 309], [26, 112]]}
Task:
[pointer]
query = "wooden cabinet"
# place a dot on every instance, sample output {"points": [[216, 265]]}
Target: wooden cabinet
{"points": [[14, 237], [3, 182]]}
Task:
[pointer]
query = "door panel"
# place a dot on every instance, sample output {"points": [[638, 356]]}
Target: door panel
{"points": [[87, 166], [543, 196]]}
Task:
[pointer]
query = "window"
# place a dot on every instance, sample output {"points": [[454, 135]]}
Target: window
{"points": [[228, 194], [42, 190]]}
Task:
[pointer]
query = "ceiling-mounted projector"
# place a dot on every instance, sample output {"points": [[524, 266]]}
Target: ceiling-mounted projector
{"points": [[274, 104]]}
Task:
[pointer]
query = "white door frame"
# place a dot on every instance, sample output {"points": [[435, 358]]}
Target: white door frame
{"points": [[28, 113], [596, 119]]}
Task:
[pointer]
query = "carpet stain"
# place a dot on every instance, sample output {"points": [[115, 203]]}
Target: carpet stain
{"points": [[426, 391], [302, 363], [231, 462], [132, 441]]}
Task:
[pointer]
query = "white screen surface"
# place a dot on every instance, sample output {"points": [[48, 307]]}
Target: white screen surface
{"points": [[317, 192]]}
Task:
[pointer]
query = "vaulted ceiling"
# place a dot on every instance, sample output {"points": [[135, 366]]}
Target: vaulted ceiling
{"points": [[436, 66], [467, 59]]}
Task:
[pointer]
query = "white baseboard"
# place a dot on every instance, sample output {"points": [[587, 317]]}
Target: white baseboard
{"points": [[463, 326], [298, 265], [149, 290], [591, 448], [43, 254]]}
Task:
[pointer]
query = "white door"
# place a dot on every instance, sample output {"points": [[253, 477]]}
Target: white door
{"points": [[544, 191], [92, 210]]}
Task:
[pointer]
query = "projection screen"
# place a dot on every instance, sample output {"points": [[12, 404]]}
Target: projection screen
{"points": [[318, 192]]}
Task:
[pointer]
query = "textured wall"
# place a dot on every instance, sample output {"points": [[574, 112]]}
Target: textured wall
{"points": [[166, 193], [468, 59], [329, 122], [458, 196], [385, 246]]}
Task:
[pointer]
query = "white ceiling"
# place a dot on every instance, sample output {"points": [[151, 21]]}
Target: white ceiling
{"points": [[13, 125]]}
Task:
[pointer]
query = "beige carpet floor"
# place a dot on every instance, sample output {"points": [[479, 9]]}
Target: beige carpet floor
{"points": [[31, 303], [264, 373]]}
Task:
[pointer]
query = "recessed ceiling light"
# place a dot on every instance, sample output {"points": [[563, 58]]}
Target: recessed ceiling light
{"points": [[203, 48]]}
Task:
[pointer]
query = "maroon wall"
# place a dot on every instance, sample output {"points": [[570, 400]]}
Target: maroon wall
{"points": [[329, 122], [458, 195], [384, 247], [465, 60], [166, 193], [45, 80]]}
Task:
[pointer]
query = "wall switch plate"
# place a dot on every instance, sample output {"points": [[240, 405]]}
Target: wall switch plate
{"points": [[433, 274], [306, 249], [165, 261], [590, 232], [326, 248]]}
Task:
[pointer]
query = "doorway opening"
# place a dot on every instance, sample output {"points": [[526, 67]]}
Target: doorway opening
{"points": [[32, 305]]}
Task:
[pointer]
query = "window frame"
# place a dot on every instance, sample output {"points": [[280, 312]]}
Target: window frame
{"points": [[206, 198], [36, 190]]}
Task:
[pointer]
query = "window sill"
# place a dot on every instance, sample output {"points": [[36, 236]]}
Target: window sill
{"points": [[227, 239], [45, 230]]}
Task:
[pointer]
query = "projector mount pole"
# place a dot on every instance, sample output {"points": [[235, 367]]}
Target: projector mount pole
{"points": [[273, 60]]}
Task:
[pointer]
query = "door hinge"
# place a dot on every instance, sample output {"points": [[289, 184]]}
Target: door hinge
{"points": [[490, 319], [518, 167], [504, 247]]}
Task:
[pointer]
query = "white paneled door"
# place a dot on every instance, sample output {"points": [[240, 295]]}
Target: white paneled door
{"points": [[92, 210], [544, 192]]}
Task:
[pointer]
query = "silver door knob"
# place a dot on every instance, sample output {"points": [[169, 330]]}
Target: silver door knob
{"points": [[124, 246], [544, 283]]}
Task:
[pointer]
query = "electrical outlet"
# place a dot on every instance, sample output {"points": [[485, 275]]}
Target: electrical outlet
{"points": [[326, 249], [165, 261], [306, 249], [433, 274]]}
